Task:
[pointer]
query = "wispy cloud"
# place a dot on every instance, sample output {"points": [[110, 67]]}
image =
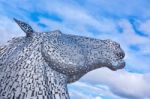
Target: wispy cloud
{"points": [[144, 27], [119, 8]]}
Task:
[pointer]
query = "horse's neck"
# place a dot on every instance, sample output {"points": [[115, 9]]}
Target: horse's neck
{"points": [[26, 75], [57, 84]]}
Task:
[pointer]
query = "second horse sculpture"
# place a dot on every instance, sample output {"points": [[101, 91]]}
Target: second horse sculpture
{"points": [[40, 65]]}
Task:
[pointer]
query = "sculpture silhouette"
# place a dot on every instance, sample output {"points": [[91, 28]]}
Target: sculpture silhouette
{"points": [[40, 65]]}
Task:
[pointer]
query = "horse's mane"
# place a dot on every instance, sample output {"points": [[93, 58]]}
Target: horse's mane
{"points": [[2, 48], [7, 47]]}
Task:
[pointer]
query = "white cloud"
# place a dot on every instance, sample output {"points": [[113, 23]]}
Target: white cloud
{"points": [[121, 83], [82, 90], [78, 95], [98, 97], [8, 29]]}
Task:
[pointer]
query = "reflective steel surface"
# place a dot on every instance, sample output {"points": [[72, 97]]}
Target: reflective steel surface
{"points": [[40, 65]]}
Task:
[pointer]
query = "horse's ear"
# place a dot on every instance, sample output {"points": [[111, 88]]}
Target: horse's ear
{"points": [[25, 27]]}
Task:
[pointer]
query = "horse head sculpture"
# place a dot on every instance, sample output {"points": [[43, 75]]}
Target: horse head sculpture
{"points": [[40, 65]]}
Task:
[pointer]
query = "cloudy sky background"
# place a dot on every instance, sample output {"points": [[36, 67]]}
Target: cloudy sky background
{"points": [[125, 21]]}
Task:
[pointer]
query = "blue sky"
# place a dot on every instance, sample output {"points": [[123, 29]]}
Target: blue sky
{"points": [[125, 21]]}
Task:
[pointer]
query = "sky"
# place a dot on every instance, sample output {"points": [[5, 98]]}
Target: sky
{"points": [[124, 21]]}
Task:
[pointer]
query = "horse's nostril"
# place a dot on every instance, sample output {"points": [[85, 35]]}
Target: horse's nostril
{"points": [[120, 55], [118, 45]]}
